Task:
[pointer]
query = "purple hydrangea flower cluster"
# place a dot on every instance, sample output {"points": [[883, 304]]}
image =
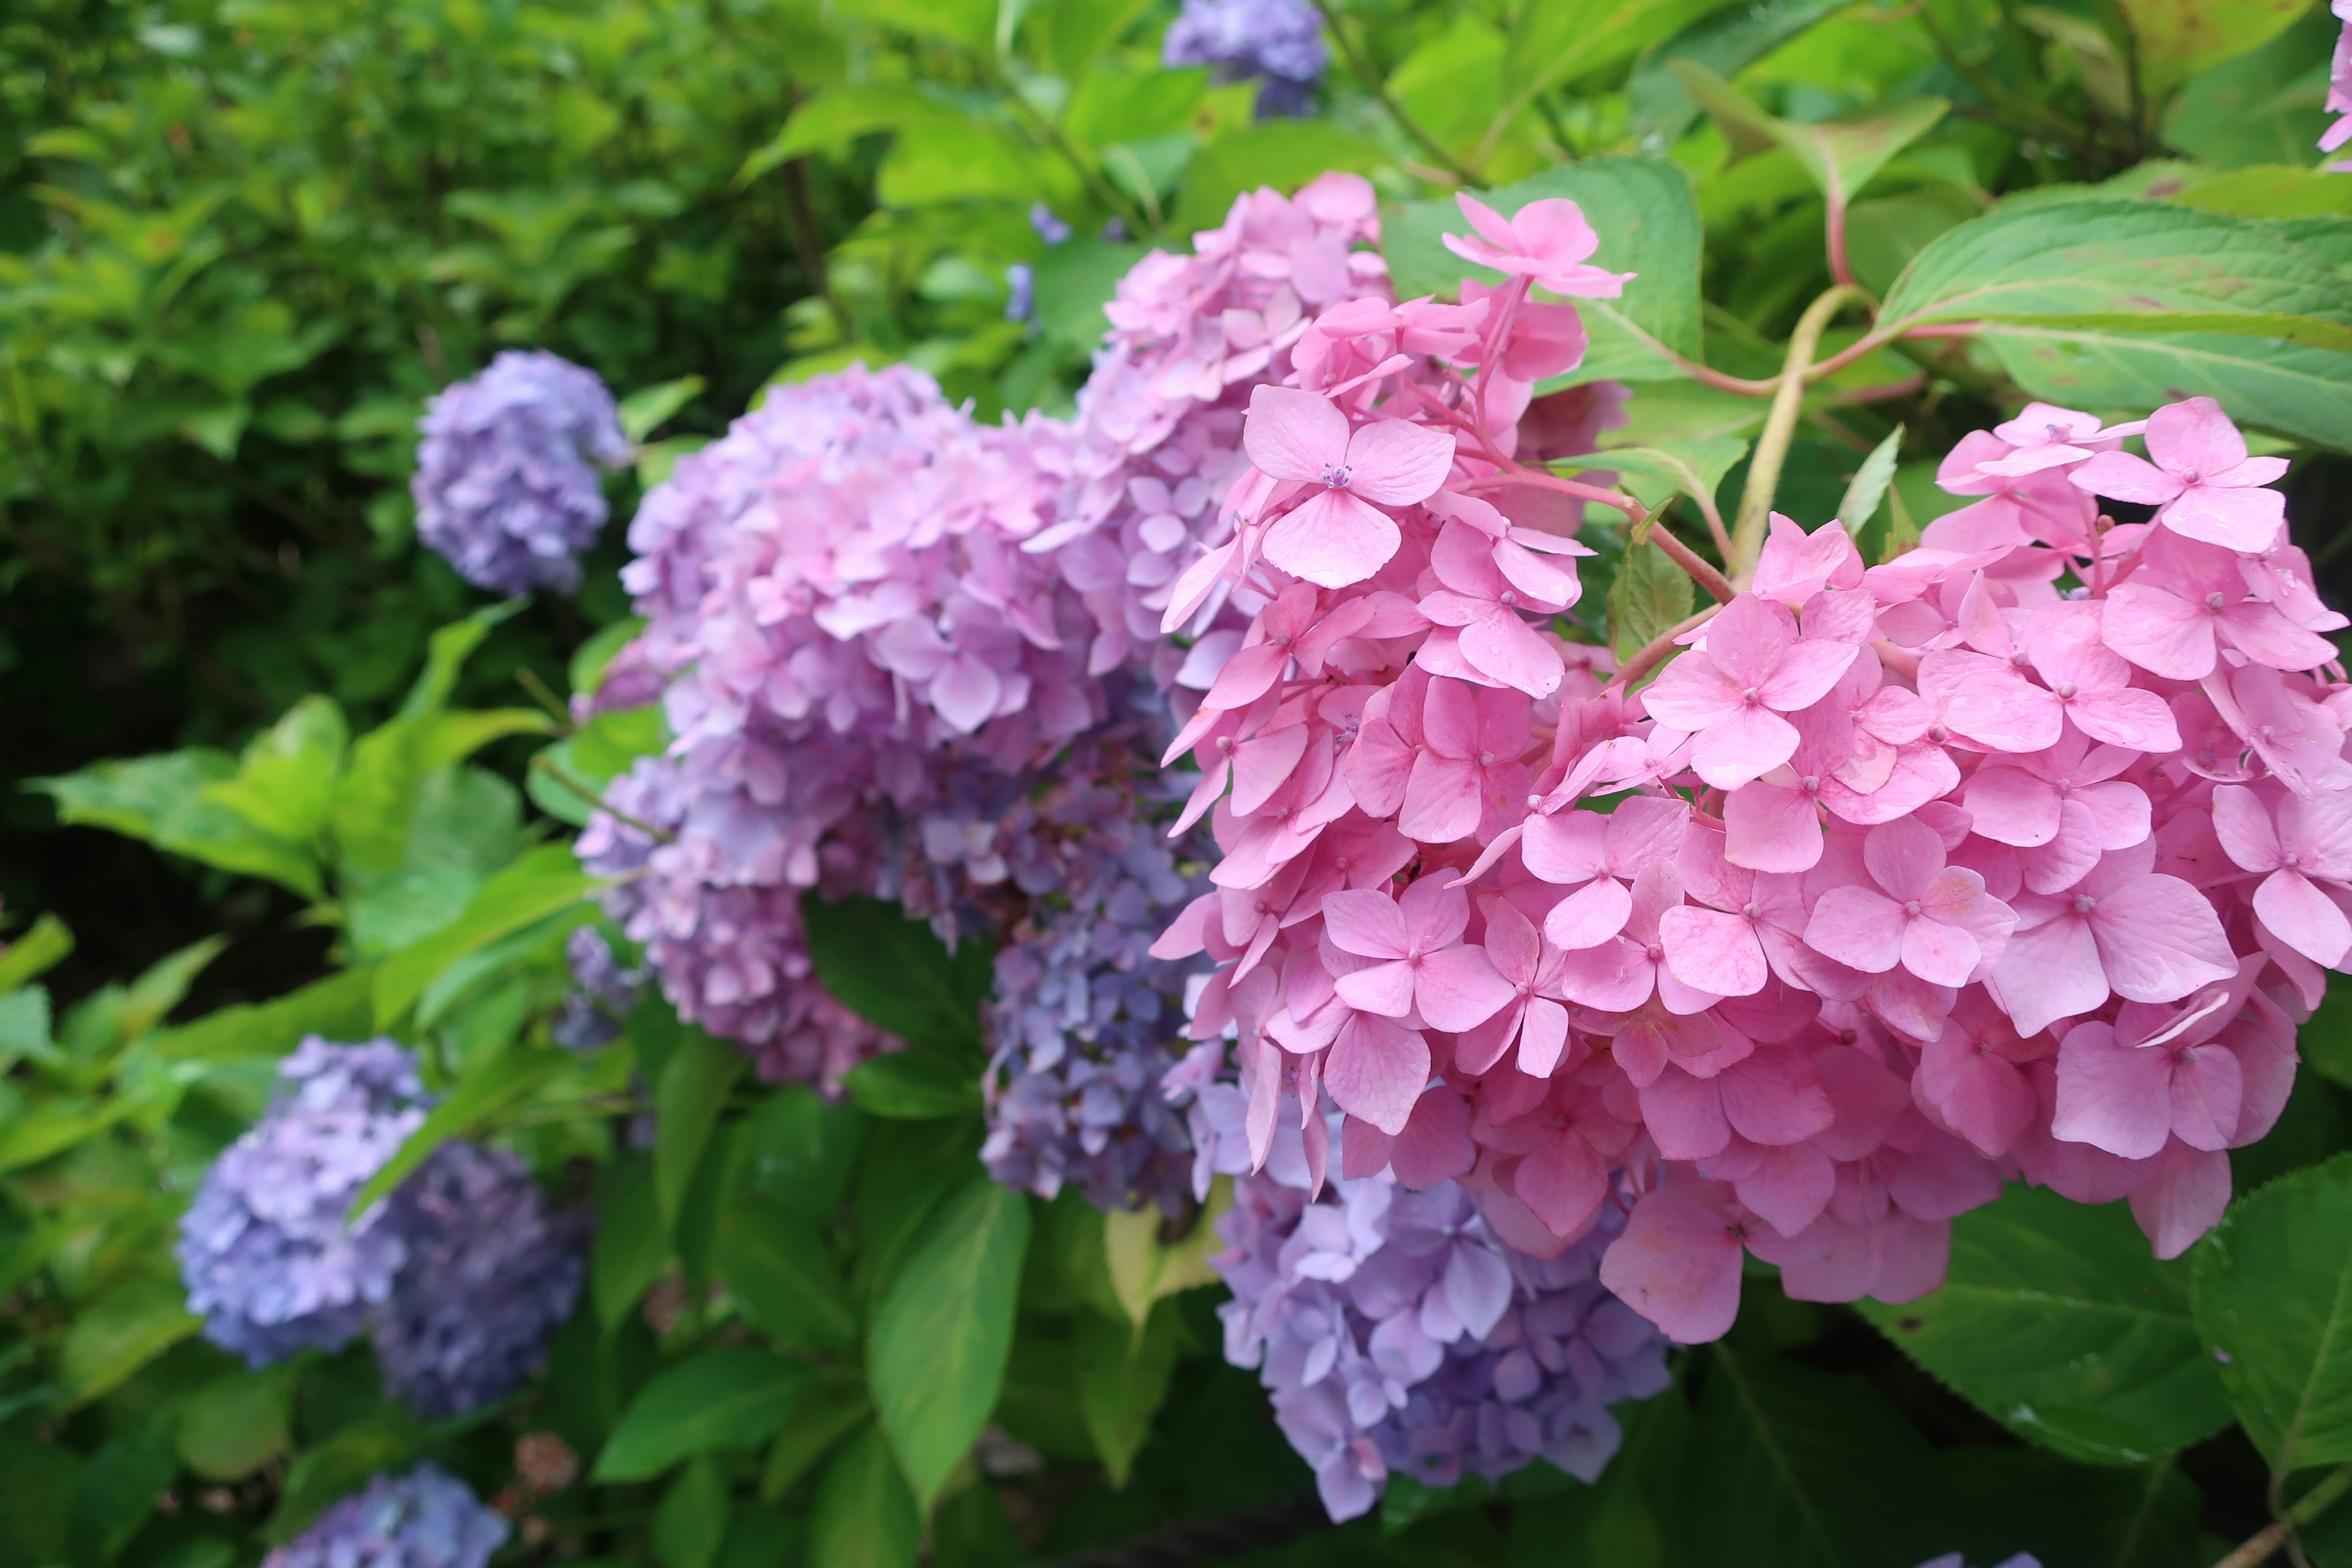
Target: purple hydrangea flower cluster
{"points": [[267, 1258], [1399, 1334], [506, 484], [1084, 1019], [427, 1519], [491, 1273], [1278, 41], [606, 993], [458, 1275]]}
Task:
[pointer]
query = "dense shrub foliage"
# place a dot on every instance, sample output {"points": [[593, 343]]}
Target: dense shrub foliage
{"points": [[1270, 782]]}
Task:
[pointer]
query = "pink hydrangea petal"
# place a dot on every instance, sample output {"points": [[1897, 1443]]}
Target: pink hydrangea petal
{"points": [[1376, 1071], [1332, 539], [1294, 435], [1396, 463], [1712, 950], [2185, 1199], [1590, 916], [2304, 918], [1677, 1264], [2247, 520], [2159, 939], [2111, 1096], [2194, 436], [1860, 928], [1743, 747], [1563, 1183]]}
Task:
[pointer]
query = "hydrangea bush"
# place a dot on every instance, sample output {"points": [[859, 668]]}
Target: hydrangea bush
{"points": [[1500, 833]]}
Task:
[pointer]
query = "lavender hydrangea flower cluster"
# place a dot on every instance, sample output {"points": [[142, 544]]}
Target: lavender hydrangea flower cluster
{"points": [[1399, 1334], [1084, 1019], [491, 1273], [267, 1258], [1278, 41], [506, 483], [427, 1519], [606, 993], [459, 1276]]}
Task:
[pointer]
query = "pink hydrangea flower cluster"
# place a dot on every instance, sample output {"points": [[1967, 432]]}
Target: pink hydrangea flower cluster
{"points": [[1398, 1332], [1896, 883]]}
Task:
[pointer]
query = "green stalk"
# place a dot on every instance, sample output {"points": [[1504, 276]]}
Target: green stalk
{"points": [[1780, 429]]}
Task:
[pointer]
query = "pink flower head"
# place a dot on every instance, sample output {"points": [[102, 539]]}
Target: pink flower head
{"points": [[2154, 1074], [1469, 771], [2044, 436], [1936, 921], [2187, 601], [1620, 973], [1732, 691], [1972, 1076], [2197, 476], [2293, 845], [1547, 241], [1599, 856], [1794, 565], [1419, 966], [1336, 537], [2124, 929], [2065, 804], [1487, 585], [1534, 1020]]}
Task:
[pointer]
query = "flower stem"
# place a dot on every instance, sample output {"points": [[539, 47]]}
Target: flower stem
{"points": [[1656, 650], [2259, 1546], [1780, 429]]}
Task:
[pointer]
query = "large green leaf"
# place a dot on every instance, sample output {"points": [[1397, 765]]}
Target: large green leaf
{"points": [[1648, 222], [1284, 153], [238, 1423], [727, 1399], [340, 1007], [1562, 40], [286, 781], [163, 800], [2069, 1516], [545, 881], [690, 1525], [799, 1151], [117, 1491], [2274, 1287], [864, 1516], [936, 1357], [2178, 39], [1123, 1373], [632, 1245], [693, 1088], [784, 1279], [1655, 101], [1802, 1469], [122, 1331], [2057, 1320], [494, 1086], [1841, 156], [896, 973]]}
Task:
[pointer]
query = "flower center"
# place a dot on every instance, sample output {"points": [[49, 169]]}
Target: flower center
{"points": [[1747, 695], [1657, 953], [2085, 903], [1485, 759], [1335, 479], [2214, 601], [1810, 783], [1912, 908], [2064, 688]]}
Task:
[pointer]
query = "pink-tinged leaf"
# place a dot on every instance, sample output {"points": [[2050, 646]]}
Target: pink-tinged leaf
{"points": [[1332, 539], [1294, 434], [1396, 463], [1376, 1071], [2113, 1096], [1857, 927], [1712, 950], [2159, 939], [1677, 1264], [1459, 989], [1775, 1098]]}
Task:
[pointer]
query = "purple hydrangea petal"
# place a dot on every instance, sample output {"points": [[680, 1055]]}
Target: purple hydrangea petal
{"points": [[427, 1519]]}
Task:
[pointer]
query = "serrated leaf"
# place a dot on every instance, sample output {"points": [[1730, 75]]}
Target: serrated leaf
{"points": [[2273, 1293], [1651, 595], [1868, 489], [1648, 221], [2054, 1319], [936, 1357], [728, 1398]]}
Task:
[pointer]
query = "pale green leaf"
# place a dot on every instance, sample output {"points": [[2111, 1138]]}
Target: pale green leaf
{"points": [[1651, 595], [1868, 489], [1841, 156], [1143, 1269], [285, 783], [162, 800], [33, 954], [2179, 39], [546, 880], [648, 408], [864, 1516]]}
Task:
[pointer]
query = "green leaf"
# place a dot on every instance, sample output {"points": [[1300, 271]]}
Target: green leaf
{"points": [[122, 1331], [285, 783], [451, 830], [896, 973], [834, 1407], [2054, 1319], [1802, 1469], [1726, 44], [784, 1279], [1868, 490], [2273, 1291], [1648, 222], [908, 1170], [340, 1007], [631, 1246], [234, 1424], [586, 672], [936, 1357], [914, 1085], [162, 800], [36, 1491], [2179, 39], [1652, 473], [1122, 1375], [545, 881], [1143, 1270], [1839, 156], [693, 1089], [648, 408], [728, 1398], [35, 953], [2144, 1517], [116, 1494], [446, 653], [970, 23], [799, 1151], [690, 1525], [1650, 594], [2103, 302], [342, 1465], [2271, 191], [1284, 153], [445, 739], [1075, 280], [1555, 41], [864, 1516], [499, 1082]]}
